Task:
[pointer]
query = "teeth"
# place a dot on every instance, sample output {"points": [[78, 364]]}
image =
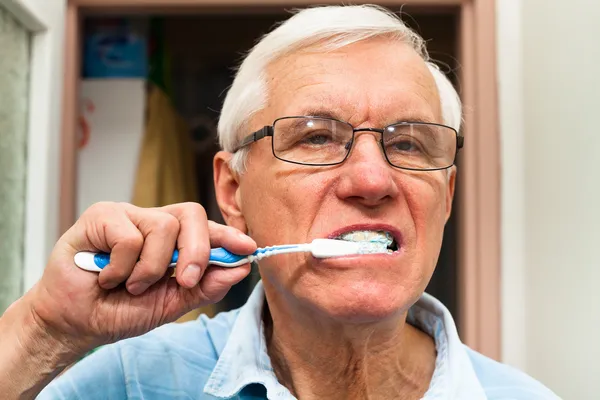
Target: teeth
{"points": [[379, 237]]}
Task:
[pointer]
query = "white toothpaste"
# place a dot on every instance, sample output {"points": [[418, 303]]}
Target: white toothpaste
{"points": [[371, 242]]}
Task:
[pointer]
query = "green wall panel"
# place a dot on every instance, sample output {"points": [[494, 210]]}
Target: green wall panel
{"points": [[14, 86]]}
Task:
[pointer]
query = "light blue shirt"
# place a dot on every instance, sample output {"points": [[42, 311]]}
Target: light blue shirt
{"points": [[226, 358]]}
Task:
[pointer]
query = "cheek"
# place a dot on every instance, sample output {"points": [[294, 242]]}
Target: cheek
{"points": [[262, 207], [426, 199], [280, 206]]}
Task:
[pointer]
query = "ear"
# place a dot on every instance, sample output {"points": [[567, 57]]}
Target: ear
{"points": [[450, 190], [227, 191]]}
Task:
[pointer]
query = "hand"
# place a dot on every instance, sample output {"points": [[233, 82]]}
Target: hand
{"points": [[135, 293]]}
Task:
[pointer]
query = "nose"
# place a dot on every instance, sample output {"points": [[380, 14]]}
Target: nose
{"points": [[366, 177]]}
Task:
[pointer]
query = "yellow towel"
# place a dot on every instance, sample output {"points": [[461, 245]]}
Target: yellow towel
{"points": [[166, 171]]}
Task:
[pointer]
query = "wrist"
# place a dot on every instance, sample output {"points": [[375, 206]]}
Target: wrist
{"points": [[40, 337], [31, 354]]}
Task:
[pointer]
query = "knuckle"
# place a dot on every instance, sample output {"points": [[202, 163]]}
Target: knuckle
{"points": [[167, 223], [132, 241], [149, 271], [125, 206], [197, 252], [194, 209], [100, 207]]}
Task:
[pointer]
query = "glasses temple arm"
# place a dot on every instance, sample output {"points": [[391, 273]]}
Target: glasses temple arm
{"points": [[259, 134]]}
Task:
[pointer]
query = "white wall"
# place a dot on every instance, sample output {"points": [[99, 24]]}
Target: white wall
{"points": [[510, 70], [116, 133], [552, 185], [45, 18]]}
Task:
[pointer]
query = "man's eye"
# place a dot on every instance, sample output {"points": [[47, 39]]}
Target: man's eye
{"points": [[317, 139], [406, 145]]}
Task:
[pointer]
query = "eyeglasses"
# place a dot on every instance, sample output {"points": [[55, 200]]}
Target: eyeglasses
{"points": [[319, 141]]}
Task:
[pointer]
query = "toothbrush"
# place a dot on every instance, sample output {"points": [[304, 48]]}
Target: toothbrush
{"points": [[320, 248]]}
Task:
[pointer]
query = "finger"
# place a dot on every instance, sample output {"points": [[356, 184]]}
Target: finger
{"points": [[89, 233], [193, 242], [125, 242], [217, 281], [230, 238], [160, 231], [214, 285]]}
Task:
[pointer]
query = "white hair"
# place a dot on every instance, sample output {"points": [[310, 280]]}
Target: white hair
{"points": [[327, 28]]}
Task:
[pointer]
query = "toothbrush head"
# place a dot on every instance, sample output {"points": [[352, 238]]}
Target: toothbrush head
{"points": [[327, 248], [372, 247]]}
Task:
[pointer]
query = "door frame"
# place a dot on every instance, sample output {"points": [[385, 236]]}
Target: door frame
{"points": [[479, 176], [45, 23]]}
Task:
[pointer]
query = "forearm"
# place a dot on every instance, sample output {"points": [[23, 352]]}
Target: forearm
{"points": [[31, 356]]}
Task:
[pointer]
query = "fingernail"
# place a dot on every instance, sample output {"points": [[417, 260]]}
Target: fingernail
{"points": [[191, 275], [137, 288]]}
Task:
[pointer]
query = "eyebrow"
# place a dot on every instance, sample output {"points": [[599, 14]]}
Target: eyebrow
{"points": [[326, 113], [320, 112], [414, 119]]}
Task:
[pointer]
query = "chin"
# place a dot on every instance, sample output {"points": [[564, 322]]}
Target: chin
{"points": [[362, 302], [363, 290]]}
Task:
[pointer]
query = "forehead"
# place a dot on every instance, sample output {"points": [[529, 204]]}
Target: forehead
{"points": [[377, 81]]}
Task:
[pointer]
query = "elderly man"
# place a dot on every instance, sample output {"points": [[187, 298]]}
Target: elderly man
{"points": [[337, 126]]}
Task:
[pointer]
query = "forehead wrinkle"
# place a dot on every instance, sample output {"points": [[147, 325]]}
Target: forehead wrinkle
{"points": [[358, 108], [295, 70], [430, 93], [345, 109], [313, 83]]}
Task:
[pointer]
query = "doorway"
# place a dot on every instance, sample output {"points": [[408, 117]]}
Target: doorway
{"points": [[461, 34], [203, 70]]}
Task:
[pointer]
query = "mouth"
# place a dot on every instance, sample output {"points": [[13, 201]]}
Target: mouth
{"points": [[373, 240]]}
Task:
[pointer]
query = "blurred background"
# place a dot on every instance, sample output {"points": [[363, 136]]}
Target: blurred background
{"points": [[118, 100]]}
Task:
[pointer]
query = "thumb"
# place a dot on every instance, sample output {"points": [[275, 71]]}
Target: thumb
{"points": [[217, 281], [214, 285]]}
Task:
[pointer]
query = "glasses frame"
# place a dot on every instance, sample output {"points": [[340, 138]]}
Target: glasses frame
{"points": [[269, 130]]}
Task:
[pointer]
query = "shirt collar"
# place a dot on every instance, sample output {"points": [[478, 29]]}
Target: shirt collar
{"points": [[454, 376], [245, 361]]}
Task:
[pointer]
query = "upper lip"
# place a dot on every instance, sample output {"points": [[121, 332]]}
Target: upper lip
{"points": [[395, 232]]}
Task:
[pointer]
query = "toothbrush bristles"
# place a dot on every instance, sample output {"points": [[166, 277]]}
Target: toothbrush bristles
{"points": [[372, 248]]}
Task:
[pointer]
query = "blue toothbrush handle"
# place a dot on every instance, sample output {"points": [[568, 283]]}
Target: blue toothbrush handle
{"points": [[224, 258], [219, 256]]}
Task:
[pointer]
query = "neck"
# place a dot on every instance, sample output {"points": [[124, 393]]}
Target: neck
{"points": [[315, 357]]}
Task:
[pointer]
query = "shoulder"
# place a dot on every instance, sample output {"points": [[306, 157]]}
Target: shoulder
{"points": [[502, 382], [172, 360]]}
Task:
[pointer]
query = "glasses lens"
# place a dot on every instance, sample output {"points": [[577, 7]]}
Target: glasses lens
{"points": [[420, 146], [315, 141]]}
